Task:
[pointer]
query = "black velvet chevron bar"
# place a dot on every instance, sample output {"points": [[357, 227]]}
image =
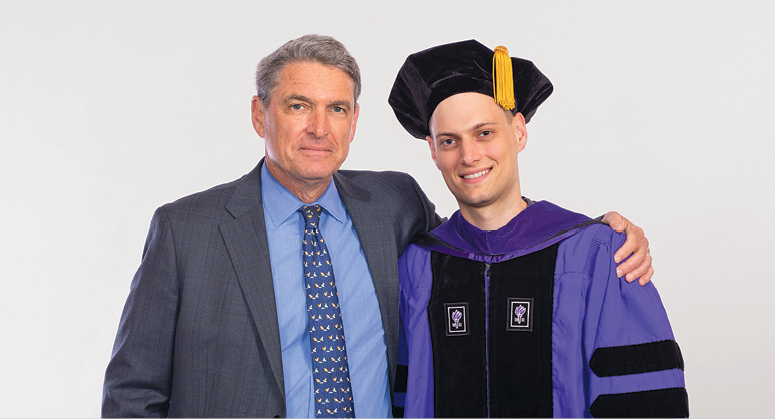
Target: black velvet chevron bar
{"points": [[636, 359], [666, 403]]}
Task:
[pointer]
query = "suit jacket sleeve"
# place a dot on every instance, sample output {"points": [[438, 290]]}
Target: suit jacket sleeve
{"points": [[430, 219], [139, 376]]}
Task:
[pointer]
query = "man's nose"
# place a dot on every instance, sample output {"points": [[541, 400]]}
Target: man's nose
{"points": [[318, 125], [469, 152]]}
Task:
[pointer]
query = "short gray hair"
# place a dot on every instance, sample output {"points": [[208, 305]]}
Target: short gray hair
{"points": [[319, 49]]}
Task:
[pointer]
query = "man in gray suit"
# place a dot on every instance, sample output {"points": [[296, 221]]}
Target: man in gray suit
{"points": [[216, 320]]}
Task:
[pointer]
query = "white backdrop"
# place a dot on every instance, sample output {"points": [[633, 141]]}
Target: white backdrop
{"points": [[662, 111]]}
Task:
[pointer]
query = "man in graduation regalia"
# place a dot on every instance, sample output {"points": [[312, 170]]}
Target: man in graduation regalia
{"points": [[513, 307]]}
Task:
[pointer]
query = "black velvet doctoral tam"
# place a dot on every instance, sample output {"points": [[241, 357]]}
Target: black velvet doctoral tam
{"points": [[430, 76]]}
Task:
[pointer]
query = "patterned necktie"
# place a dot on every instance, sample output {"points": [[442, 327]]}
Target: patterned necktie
{"points": [[333, 397]]}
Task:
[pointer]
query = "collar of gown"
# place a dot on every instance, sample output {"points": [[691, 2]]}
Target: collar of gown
{"points": [[535, 224]]}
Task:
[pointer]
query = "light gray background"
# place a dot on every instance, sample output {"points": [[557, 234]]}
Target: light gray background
{"points": [[662, 111]]}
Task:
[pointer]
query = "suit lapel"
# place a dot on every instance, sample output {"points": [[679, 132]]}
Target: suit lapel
{"points": [[378, 242], [246, 242]]}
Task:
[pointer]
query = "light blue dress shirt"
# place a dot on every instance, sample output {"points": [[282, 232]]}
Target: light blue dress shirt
{"points": [[364, 334]]}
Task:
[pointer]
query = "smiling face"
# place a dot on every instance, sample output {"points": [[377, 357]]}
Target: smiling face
{"points": [[475, 144], [307, 127]]}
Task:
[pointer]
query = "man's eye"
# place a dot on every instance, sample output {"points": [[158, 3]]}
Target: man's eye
{"points": [[338, 109], [485, 133], [448, 141], [296, 106]]}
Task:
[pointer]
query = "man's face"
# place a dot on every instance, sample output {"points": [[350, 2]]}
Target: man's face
{"points": [[475, 144], [308, 125]]}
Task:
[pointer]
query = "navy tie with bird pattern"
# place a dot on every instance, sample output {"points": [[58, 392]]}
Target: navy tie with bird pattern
{"points": [[331, 377]]}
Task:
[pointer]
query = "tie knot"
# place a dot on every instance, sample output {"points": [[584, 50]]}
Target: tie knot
{"points": [[311, 215]]}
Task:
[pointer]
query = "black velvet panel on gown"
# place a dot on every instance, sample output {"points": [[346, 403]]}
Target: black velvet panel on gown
{"points": [[514, 377]]}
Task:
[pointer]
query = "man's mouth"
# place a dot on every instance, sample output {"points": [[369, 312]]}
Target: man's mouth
{"points": [[477, 174], [314, 149]]}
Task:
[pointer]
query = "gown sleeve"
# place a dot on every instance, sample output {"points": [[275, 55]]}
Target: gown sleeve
{"points": [[633, 363]]}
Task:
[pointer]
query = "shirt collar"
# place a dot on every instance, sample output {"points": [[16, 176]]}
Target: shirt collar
{"points": [[284, 203]]}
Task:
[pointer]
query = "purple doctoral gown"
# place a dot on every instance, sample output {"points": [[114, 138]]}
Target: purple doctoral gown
{"points": [[531, 320]]}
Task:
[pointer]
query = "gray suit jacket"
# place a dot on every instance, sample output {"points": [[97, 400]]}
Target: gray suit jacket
{"points": [[199, 335]]}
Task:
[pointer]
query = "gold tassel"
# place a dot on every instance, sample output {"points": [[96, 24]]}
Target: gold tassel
{"points": [[503, 78]]}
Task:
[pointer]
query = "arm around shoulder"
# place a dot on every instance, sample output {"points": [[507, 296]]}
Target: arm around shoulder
{"points": [[635, 250]]}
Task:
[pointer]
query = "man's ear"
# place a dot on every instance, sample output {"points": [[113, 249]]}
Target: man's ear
{"points": [[433, 149], [257, 115], [520, 130]]}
